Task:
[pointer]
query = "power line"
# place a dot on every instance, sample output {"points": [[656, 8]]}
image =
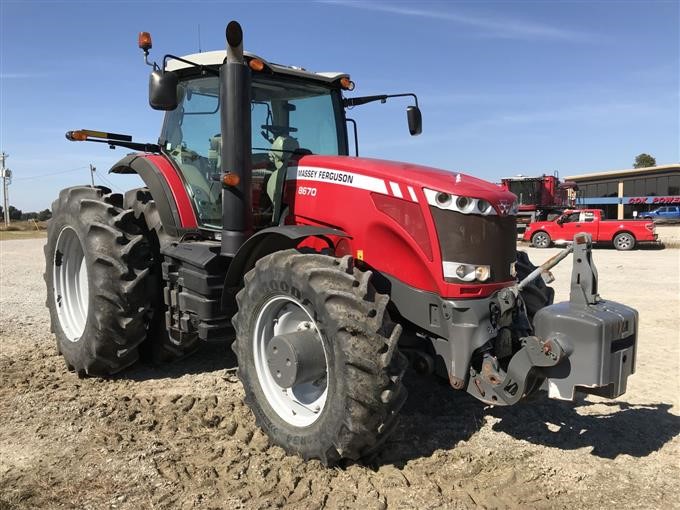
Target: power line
{"points": [[108, 183], [50, 174]]}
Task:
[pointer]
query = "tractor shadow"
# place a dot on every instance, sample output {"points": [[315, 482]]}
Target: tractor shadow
{"points": [[210, 357], [435, 417], [610, 428]]}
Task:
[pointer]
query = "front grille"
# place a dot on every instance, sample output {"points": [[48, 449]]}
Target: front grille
{"points": [[478, 240]]}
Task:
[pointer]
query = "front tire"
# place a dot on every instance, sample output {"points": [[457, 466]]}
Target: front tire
{"points": [[350, 406], [624, 241], [541, 240], [96, 276]]}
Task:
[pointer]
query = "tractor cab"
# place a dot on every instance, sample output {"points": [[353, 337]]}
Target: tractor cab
{"points": [[293, 112]]}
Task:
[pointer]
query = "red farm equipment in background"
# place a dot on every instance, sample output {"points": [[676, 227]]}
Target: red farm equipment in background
{"points": [[540, 198]]}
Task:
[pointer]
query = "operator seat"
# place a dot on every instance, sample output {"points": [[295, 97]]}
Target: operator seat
{"points": [[283, 148]]}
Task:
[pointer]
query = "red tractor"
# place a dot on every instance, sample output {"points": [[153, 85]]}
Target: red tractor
{"points": [[333, 270]]}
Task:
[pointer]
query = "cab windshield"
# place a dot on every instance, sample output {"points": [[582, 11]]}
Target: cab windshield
{"points": [[288, 116]]}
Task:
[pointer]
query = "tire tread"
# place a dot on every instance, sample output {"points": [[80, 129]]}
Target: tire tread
{"points": [[118, 324], [360, 325]]}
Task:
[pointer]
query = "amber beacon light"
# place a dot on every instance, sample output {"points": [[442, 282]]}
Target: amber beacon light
{"points": [[144, 41]]}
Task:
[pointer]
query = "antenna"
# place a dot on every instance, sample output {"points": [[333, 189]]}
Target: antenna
{"points": [[199, 38]]}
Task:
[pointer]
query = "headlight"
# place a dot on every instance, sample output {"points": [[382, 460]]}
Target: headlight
{"points": [[443, 199], [461, 204], [466, 272], [482, 273], [484, 207], [464, 204]]}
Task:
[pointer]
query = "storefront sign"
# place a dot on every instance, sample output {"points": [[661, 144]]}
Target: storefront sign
{"points": [[654, 200]]}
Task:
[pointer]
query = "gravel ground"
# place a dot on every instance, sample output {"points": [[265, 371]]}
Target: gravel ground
{"points": [[178, 436]]}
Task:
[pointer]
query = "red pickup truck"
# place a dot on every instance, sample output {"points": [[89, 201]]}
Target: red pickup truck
{"points": [[624, 234]]}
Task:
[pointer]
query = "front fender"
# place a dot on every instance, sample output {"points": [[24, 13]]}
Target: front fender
{"points": [[268, 241]]}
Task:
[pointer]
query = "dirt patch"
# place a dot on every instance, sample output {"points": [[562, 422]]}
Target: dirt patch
{"points": [[179, 436]]}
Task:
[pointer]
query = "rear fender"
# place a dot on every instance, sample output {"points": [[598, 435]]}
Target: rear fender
{"points": [[167, 189]]}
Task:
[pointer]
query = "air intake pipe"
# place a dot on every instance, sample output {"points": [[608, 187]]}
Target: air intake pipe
{"points": [[236, 144]]}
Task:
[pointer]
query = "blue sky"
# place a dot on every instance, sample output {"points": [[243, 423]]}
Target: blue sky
{"points": [[505, 87]]}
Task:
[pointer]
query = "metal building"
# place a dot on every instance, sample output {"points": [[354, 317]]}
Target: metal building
{"points": [[621, 192]]}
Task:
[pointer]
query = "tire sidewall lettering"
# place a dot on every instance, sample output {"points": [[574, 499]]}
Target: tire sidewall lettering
{"points": [[285, 287]]}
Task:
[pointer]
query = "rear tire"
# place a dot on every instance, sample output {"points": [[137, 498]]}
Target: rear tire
{"points": [[159, 347], [624, 241], [541, 240], [363, 366], [97, 275]]}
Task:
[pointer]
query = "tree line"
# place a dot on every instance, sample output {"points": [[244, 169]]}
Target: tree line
{"points": [[18, 215]]}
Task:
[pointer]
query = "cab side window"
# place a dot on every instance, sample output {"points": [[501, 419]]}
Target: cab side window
{"points": [[188, 134]]}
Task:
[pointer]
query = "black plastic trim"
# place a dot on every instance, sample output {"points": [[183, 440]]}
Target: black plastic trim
{"points": [[193, 273]]}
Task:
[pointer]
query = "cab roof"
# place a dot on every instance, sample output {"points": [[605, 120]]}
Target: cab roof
{"points": [[216, 58]]}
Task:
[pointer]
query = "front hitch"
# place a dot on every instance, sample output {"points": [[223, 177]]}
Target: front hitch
{"points": [[586, 344]]}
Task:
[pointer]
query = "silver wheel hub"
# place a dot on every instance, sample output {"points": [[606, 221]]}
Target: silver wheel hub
{"points": [[623, 242], [541, 239], [69, 279], [290, 360]]}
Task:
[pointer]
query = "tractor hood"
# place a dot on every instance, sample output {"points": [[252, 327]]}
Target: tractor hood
{"points": [[399, 178]]}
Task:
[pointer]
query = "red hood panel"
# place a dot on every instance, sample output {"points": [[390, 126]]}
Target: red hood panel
{"points": [[412, 175], [396, 236]]}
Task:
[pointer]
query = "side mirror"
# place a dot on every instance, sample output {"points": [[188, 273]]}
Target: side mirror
{"points": [[415, 120], [163, 90], [559, 220]]}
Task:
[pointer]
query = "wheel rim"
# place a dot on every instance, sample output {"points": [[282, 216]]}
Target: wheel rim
{"points": [[302, 404], [541, 240], [623, 242], [71, 292]]}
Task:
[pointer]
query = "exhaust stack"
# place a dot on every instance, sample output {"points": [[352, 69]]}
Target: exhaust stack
{"points": [[236, 144]]}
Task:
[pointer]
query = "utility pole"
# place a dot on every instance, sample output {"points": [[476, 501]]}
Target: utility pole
{"points": [[93, 169], [6, 174]]}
